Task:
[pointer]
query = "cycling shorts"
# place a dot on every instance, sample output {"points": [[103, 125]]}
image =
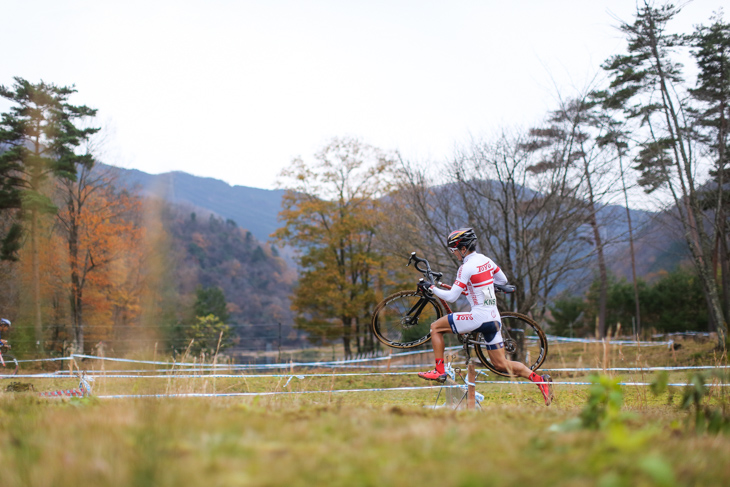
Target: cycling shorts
{"points": [[467, 322]]}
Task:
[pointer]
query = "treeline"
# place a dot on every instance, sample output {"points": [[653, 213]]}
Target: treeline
{"points": [[90, 266], [73, 271], [537, 198], [670, 303]]}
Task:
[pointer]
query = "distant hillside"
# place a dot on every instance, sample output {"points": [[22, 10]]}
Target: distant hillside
{"points": [[254, 209]]}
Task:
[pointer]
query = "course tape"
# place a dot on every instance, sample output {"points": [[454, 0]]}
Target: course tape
{"points": [[252, 366], [637, 369], [522, 383], [57, 359], [597, 340], [335, 362], [390, 389], [185, 375], [274, 393]]}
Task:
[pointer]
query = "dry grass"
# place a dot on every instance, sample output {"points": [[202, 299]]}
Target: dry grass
{"points": [[384, 438]]}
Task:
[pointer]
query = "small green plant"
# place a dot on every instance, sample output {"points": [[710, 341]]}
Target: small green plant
{"points": [[604, 404], [708, 417], [602, 411]]}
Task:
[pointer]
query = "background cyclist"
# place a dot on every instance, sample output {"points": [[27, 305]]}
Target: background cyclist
{"points": [[4, 327], [476, 278]]}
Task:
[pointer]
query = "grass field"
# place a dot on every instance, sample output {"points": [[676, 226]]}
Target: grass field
{"points": [[369, 438]]}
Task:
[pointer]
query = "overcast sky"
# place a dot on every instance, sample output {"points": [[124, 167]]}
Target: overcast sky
{"points": [[235, 89]]}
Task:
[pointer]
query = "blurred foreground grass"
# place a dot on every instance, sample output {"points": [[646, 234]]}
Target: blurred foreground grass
{"points": [[353, 439]]}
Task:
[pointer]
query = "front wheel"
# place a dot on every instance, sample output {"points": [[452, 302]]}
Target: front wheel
{"points": [[524, 341], [9, 364], [403, 319]]}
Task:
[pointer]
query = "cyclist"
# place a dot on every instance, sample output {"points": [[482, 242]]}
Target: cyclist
{"points": [[4, 327], [476, 278]]}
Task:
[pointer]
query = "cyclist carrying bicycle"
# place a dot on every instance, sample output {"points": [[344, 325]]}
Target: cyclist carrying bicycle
{"points": [[476, 278]]}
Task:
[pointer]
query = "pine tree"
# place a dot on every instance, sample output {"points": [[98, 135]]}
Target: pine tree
{"points": [[40, 141], [711, 50], [645, 83]]}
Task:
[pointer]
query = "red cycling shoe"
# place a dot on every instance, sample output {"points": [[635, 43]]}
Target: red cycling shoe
{"points": [[546, 387], [433, 375]]}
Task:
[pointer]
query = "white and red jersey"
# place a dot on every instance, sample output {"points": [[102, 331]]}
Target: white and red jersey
{"points": [[477, 276]]}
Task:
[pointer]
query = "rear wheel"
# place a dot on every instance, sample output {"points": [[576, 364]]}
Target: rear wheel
{"points": [[524, 341], [403, 319]]}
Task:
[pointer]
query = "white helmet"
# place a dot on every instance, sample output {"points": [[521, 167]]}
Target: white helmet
{"points": [[5, 322]]}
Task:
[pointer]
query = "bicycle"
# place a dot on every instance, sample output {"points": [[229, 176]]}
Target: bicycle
{"points": [[403, 320], [8, 361]]}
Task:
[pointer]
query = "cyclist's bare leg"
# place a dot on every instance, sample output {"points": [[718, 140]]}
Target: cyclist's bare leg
{"points": [[438, 328], [499, 359]]}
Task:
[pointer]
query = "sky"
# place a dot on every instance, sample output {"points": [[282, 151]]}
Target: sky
{"points": [[234, 89]]}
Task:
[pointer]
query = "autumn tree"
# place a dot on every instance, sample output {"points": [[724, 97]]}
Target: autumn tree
{"points": [[647, 88], [100, 225], [40, 138], [330, 214]]}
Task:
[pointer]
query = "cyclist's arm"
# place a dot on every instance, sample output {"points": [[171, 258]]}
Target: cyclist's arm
{"points": [[462, 277], [450, 295], [500, 278]]}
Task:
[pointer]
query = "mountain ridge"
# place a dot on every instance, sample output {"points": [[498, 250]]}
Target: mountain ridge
{"points": [[254, 209]]}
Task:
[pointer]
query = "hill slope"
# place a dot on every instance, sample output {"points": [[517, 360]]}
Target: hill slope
{"points": [[254, 209]]}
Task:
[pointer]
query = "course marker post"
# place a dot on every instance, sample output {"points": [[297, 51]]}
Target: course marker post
{"points": [[471, 388]]}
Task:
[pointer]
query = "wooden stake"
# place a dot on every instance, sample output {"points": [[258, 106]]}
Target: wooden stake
{"points": [[471, 389]]}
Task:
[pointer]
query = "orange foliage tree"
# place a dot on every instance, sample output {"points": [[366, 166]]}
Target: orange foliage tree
{"points": [[100, 224]]}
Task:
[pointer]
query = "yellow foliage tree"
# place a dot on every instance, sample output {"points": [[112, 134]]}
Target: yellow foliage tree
{"points": [[331, 215]]}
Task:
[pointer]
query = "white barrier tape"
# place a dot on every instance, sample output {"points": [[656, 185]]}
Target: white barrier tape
{"points": [[232, 368], [300, 377], [57, 359], [246, 366], [637, 369], [343, 362], [128, 373], [275, 393], [521, 383], [175, 375], [597, 340], [171, 374]]}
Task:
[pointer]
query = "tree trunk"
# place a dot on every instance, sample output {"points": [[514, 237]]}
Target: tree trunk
{"points": [[631, 249], [346, 337], [725, 270], [602, 275], [35, 263]]}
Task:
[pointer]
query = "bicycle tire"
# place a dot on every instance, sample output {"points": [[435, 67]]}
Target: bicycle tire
{"points": [[391, 325], [535, 344], [11, 365]]}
